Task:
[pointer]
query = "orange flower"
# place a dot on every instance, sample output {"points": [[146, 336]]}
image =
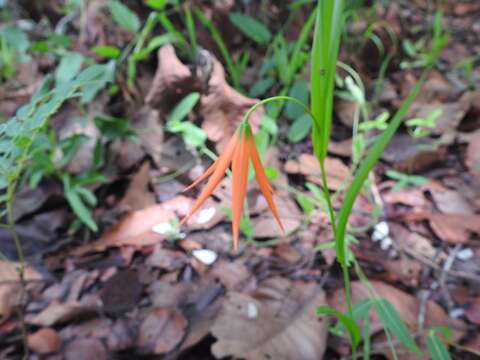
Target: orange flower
{"points": [[240, 149]]}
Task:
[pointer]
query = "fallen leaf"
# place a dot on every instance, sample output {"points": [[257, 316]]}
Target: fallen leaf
{"points": [[135, 229], [172, 78], [408, 154], [346, 111], [44, 341], [449, 201], [338, 173], [10, 288], [265, 225], [165, 259], [277, 321], [138, 196], [473, 311], [473, 154], [57, 312], [161, 331], [85, 349], [223, 108], [455, 228]]}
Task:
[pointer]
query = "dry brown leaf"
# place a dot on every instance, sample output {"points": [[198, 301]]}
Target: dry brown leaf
{"points": [[135, 229], [277, 321], [172, 78], [44, 341], [407, 306], [10, 289], [455, 228], [57, 312], [85, 349], [138, 196], [223, 108], [161, 331], [265, 225], [307, 165], [449, 201], [473, 154]]}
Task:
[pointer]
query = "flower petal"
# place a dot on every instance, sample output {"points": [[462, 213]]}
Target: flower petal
{"points": [[262, 180], [212, 167], [218, 173], [239, 188]]}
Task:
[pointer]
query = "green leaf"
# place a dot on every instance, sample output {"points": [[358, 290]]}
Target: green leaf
{"points": [[269, 124], [123, 16], [306, 203], [192, 134], [69, 66], [260, 87], [109, 52], [298, 91], [78, 207], [183, 108], [436, 348], [349, 324], [391, 321], [114, 128], [251, 27], [158, 5], [300, 128]]}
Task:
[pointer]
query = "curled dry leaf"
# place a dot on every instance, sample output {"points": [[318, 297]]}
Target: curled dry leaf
{"points": [[449, 201], [223, 108], [307, 165], [172, 78], [161, 331], [277, 321]]}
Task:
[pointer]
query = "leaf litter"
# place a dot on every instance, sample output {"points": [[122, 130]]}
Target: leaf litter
{"points": [[143, 286]]}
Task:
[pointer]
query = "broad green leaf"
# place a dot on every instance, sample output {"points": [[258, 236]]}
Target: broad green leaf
{"points": [[94, 85], [298, 91], [349, 324], [436, 348], [69, 66], [251, 27], [260, 87], [183, 108], [110, 52], [391, 321], [192, 134], [123, 16], [300, 128]]}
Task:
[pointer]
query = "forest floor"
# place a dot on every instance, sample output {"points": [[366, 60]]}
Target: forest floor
{"points": [[117, 158]]}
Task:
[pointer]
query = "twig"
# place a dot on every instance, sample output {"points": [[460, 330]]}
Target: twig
{"points": [[443, 276]]}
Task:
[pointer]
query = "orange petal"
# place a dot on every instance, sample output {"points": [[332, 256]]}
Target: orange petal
{"points": [[262, 180], [239, 188], [202, 177], [212, 167], [218, 173]]}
